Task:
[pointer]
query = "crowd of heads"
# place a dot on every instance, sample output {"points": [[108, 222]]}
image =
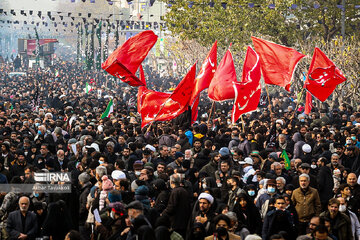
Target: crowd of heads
{"points": [[275, 174]]}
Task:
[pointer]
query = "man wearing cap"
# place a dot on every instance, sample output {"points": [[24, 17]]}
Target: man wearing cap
{"points": [[307, 202], [177, 163], [249, 175], [136, 215], [204, 213], [17, 169]]}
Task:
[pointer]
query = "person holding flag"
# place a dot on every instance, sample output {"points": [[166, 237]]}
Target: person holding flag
{"points": [[109, 109]]}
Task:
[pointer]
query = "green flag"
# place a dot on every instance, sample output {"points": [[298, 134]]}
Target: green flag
{"points": [[286, 159], [109, 109]]}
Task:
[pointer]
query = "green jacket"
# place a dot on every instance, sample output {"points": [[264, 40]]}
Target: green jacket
{"points": [[341, 228]]}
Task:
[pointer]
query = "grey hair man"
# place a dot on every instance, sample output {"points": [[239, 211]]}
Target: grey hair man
{"points": [[22, 224]]}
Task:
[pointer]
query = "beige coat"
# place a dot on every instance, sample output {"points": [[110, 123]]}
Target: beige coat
{"points": [[307, 204]]}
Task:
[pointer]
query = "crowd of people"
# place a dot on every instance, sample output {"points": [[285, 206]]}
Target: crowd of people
{"points": [[172, 180]]}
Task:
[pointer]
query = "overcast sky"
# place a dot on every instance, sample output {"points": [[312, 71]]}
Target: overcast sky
{"points": [[31, 4]]}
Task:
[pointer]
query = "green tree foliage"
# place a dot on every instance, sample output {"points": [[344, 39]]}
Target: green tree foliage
{"points": [[288, 22]]}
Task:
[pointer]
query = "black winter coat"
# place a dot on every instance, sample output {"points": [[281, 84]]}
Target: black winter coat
{"points": [[178, 208], [325, 183]]}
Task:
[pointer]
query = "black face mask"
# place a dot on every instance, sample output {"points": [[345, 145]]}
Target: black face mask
{"points": [[198, 235], [221, 231]]}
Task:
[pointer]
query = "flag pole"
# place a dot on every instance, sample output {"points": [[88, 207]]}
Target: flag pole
{"points": [[267, 92], [163, 105], [148, 130], [297, 104], [212, 106], [242, 123]]}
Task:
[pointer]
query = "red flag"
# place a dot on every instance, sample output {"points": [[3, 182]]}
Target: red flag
{"points": [[142, 91], [308, 103], [126, 59], [277, 62], [248, 91], [221, 87], [150, 104], [159, 106], [142, 75], [323, 76], [203, 79], [194, 109]]}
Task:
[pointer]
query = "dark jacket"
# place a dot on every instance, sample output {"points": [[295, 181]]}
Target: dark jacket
{"points": [[178, 208], [276, 221], [248, 217], [245, 147], [14, 225], [83, 212], [210, 168], [340, 226], [325, 184], [208, 225]]}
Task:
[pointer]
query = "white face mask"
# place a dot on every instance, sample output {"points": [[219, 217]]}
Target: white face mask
{"points": [[348, 141], [137, 173], [204, 186], [342, 208], [271, 190], [313, 166]]}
